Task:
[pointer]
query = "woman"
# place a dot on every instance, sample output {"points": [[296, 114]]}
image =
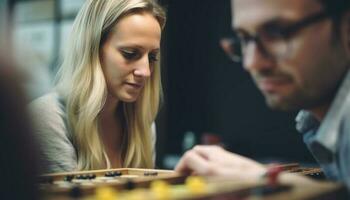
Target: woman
{"points": [[108, 90]]}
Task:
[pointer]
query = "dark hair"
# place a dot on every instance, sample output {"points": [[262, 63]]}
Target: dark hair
{"points": [[336, 8]]}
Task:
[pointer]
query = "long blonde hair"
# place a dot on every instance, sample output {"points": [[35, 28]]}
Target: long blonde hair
{"points": [[82, 85]]}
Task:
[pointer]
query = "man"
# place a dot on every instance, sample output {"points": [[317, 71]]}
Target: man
{"points": [[298, 54]]}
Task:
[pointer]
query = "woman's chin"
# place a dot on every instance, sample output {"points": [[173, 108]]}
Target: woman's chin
{"points": [[129, 98]]}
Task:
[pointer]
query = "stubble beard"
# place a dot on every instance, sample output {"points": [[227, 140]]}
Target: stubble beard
{"points": [[302, 98]]}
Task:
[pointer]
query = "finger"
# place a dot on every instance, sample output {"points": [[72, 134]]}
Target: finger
{"points": [[191, 162], [221, 157], [207, 151]]}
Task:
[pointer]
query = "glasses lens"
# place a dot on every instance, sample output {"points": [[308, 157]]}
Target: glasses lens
{"points": [[277, 49], [232, 48]]}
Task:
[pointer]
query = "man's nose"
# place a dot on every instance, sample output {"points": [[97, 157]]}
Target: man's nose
{"points": [[255, 59], [143, 67]]}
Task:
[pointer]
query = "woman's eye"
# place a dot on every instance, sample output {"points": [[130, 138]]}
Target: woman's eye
{"points": [[129, 55]]}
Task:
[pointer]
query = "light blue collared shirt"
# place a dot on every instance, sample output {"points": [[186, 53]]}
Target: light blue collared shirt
{"points": [[329, 141]]}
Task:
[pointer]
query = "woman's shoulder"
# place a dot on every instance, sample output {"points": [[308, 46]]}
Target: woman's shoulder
{"points": [[50, 129], [49, 103], [48, 99], [48, 114]]}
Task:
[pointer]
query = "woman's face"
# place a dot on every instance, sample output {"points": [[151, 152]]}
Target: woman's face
{"points": [[129, 54]]}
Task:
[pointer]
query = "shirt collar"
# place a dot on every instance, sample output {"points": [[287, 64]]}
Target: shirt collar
{"points": [[305, 121], [328, 132]]}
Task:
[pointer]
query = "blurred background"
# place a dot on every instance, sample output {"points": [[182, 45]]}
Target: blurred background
{"points": [[208, 98]]}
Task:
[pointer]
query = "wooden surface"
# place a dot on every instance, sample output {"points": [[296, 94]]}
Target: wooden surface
{"points": [[292, 186]]}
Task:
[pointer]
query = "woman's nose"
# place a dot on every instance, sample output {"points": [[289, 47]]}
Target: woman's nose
{"points": [[143, 67]]}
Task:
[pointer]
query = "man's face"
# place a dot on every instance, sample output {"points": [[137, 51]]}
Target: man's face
{"points": [[310, 72]]}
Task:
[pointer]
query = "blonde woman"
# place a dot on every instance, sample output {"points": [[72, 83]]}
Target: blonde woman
{"points": [[102, 111]]}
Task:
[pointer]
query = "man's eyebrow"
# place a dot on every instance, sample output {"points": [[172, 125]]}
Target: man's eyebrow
{"points": [[276, 22]]}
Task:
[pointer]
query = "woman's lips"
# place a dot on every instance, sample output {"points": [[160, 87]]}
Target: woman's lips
{"points": [[134, 85]]}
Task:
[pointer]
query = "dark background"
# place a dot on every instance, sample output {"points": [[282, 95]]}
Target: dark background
{"points": [[206, 92]]}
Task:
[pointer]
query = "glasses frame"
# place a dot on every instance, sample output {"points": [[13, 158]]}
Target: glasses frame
{"points": [[286, 33]]}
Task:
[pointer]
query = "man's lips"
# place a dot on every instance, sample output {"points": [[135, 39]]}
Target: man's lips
{"points": [[272, 84]]}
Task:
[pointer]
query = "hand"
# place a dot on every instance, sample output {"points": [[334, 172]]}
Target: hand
{"points": [[215, 161]]}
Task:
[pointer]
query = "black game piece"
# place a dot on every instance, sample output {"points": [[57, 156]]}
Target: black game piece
{"points": [[317, 176], [113, 174], [91, 176], [85, 176], [129, 185], [68, 178], [75, 192], [82, 177], [150, 174], [117, 173], [109, 174], [79, 177]]}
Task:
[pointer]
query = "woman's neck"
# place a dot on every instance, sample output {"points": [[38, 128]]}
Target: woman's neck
{"points": [[111, 131], [110, 107]]}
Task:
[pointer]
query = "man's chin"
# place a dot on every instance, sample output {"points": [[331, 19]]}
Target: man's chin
{"points": [[280, 104]]}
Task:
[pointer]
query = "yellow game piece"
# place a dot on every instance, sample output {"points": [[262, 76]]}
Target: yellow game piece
{"points": [[106, 193], [160, 190], [196, 185], [136, 194]]}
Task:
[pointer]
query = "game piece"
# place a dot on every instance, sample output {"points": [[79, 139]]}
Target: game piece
{"points": [[136, 194], [129, 185], [91, 176], [113, 174], [160, 190], [168, 185], [106, 193], [68, 178], [77, 177], [109, 174], [196, 184], [150, 173], [75, 192], [117, 173]]}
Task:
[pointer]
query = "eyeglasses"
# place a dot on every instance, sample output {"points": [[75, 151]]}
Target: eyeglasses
{"points": [[272, 40]]}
